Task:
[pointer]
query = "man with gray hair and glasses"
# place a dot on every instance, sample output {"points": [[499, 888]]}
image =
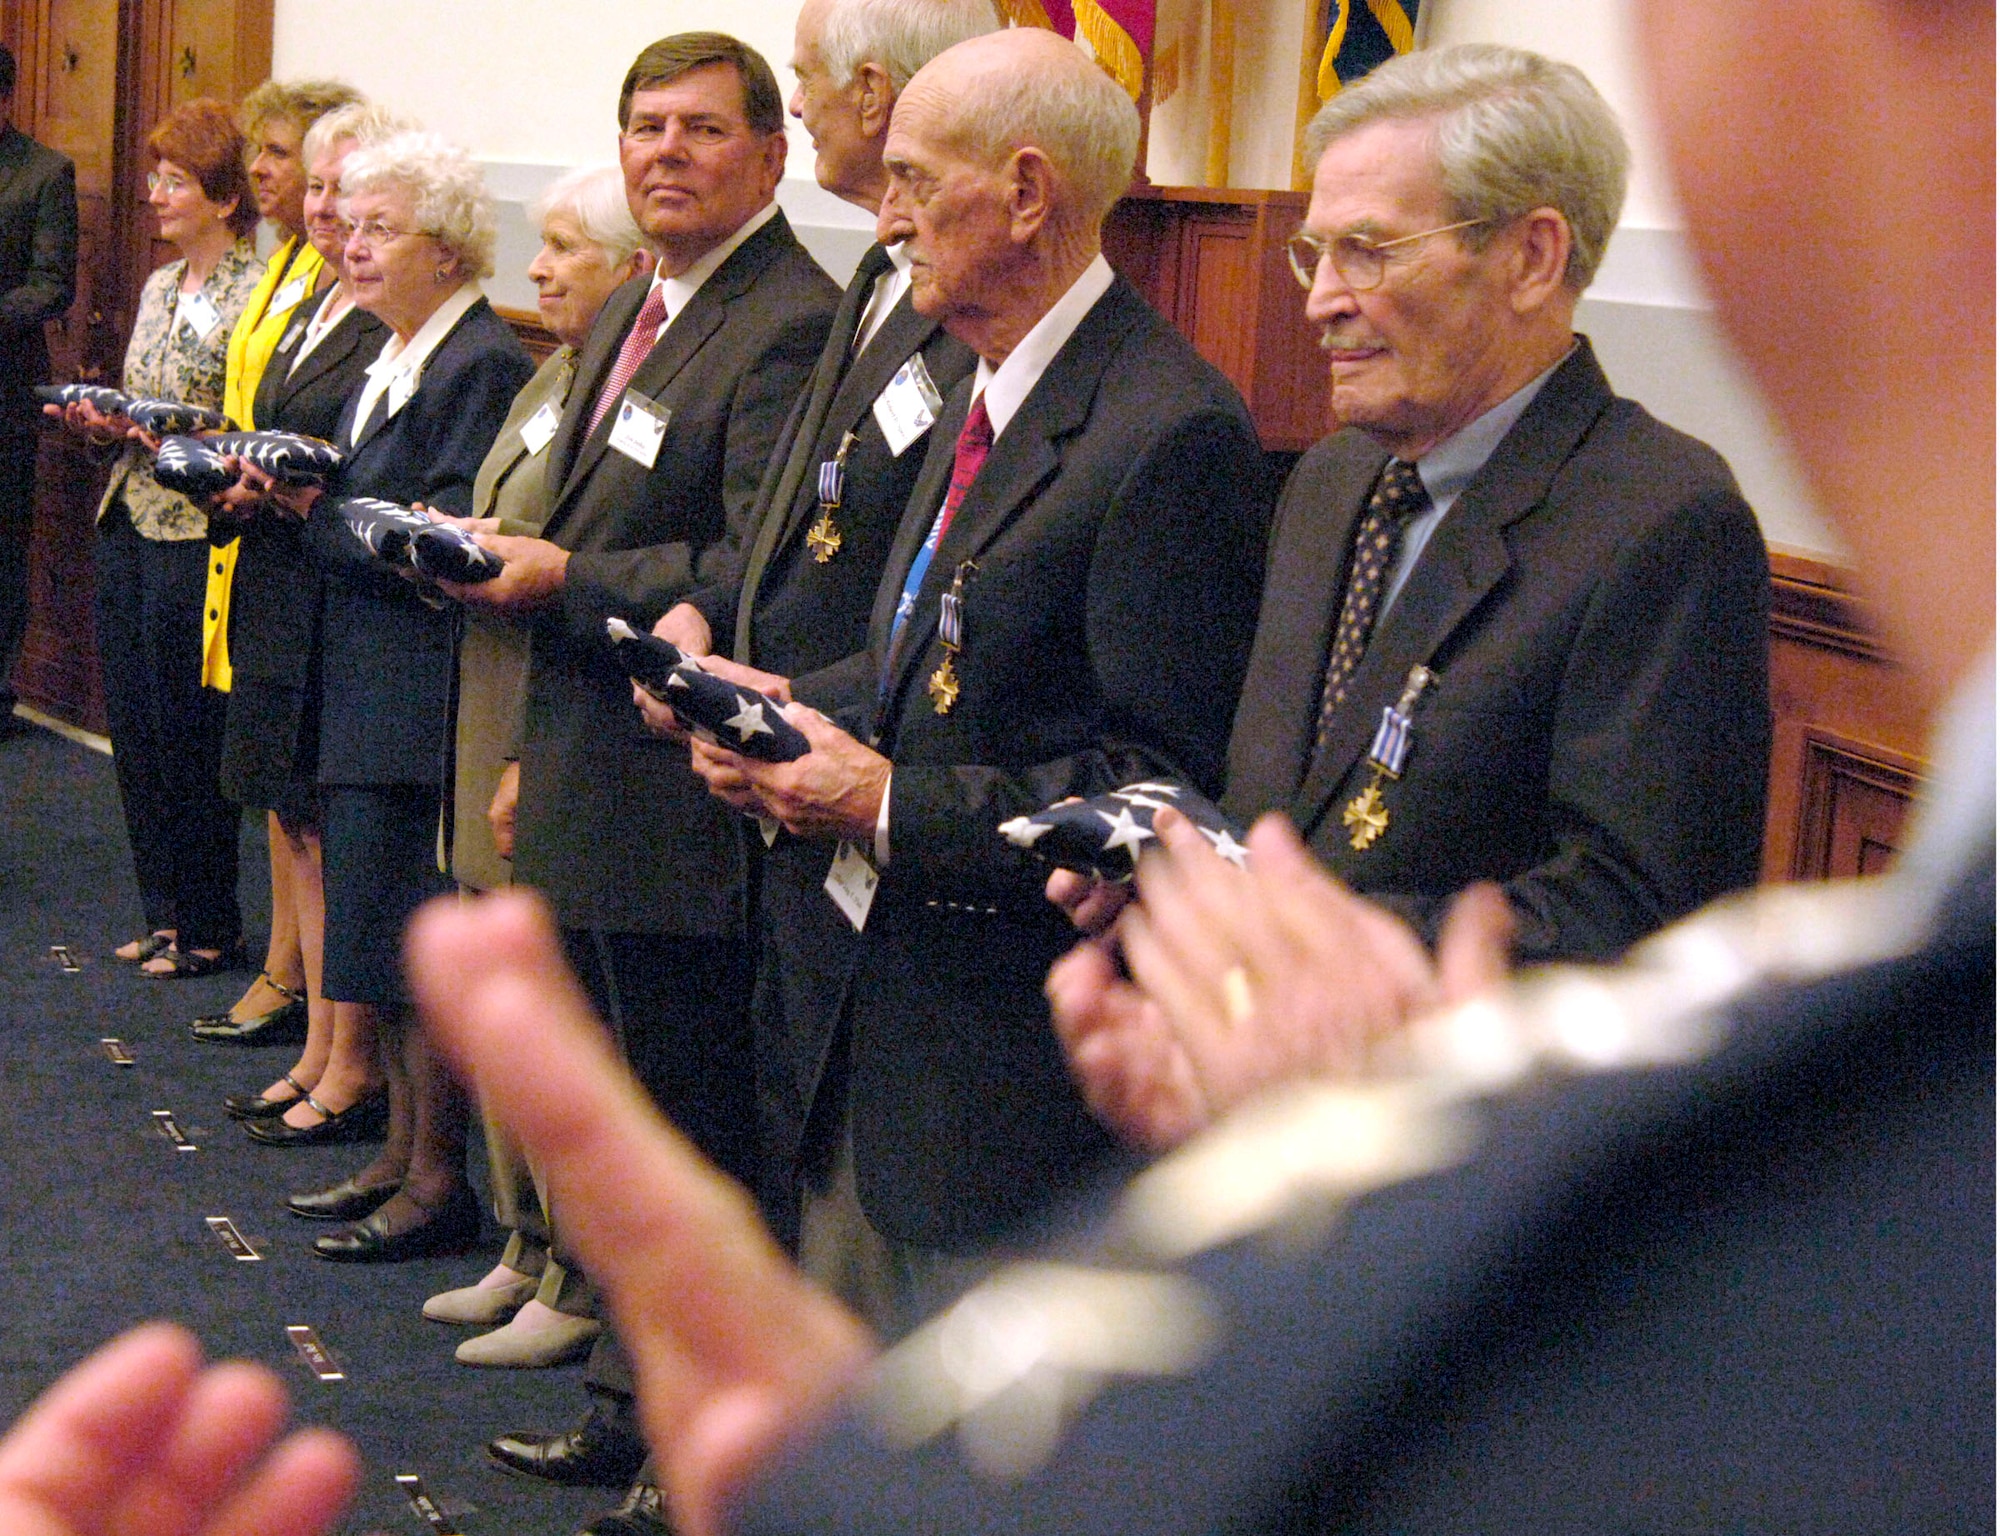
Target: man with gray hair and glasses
{"points": [[1513, 628]]}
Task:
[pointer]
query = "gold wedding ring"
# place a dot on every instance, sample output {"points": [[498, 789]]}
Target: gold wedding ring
{"points": [[1237, 1004]]}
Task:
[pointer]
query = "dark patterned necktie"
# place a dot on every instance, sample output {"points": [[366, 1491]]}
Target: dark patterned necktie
{"points": [[1399, 497]]}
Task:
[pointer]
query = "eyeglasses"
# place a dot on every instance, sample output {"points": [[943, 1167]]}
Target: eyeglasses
{"points": [[1359, 262], [374, 232], [173, 186]]}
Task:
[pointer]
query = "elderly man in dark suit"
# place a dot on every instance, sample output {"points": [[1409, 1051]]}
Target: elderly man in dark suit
{"points": [[681, 393], [801, 610], [1093, 477], [1561, 602], [37, 280]]}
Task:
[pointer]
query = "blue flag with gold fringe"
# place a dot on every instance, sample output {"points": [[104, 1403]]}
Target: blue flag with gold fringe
{"points": [[1361, 34]]}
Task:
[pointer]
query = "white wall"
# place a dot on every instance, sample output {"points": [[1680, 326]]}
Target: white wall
{"points": [[532, 89]]}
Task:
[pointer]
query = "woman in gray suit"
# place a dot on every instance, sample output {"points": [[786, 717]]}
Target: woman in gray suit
{"points": [[589, 247]]}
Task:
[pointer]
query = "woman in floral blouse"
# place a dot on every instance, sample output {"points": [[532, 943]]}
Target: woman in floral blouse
{"points": [[152, 548]]}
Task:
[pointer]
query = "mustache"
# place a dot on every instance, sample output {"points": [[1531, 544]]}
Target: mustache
{"points": [[1333, 339]]}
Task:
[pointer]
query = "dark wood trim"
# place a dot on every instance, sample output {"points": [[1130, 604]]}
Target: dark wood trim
{"points": [[1813, 601], [536, 337]]}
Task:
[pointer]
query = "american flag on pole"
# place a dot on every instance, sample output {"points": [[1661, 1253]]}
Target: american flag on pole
{"points": [[1120, 32], [1361, 36]]}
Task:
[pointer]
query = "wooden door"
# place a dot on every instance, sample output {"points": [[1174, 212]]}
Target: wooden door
{"points": [[95, 76]]}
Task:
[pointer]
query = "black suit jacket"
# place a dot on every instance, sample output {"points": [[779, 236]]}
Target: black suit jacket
{"points": [[1753, 1292], [1595, 606], [799, 617], [613, 826], [1118, 528], [37, 267], [386, 653], [274, 602]]}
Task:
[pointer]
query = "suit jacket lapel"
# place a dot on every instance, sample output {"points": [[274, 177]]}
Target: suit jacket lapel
{"points": [[1024, 457], [593, 367], [336, 349], [903, 333], [1271, 744], [801, 437], [1466, 558]]}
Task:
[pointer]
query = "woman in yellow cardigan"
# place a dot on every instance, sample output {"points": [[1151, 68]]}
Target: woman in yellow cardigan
{"points": [[274, 118]]}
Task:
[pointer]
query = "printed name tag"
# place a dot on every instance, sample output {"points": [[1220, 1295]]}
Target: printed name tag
{"points": [[318, 1358], [288, 296], [851, 883], [234, 1242], [427, 1508], [116, 1051], [539, 430], [165, 1123], [638, 427], [199, 314], [908, 405]]}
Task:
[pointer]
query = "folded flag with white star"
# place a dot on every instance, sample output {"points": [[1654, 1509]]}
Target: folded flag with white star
{"points": [[291, 458], [192, 468], [1104, 835], [399, 536], [165, 418], [712, 707], [111, 402]]}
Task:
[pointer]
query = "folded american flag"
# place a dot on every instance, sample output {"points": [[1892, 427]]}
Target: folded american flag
{"points": [[165, 418], [111, 402], [291, 458], [399, 536], [1103, 836], [710, 706], [191, 467]]}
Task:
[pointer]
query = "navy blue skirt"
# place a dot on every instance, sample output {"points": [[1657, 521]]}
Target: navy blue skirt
{"points": [[381, 865]]}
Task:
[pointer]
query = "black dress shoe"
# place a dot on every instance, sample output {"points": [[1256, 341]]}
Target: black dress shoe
{"points": [[283, 1025], [254, 1106], [592, 1456], [363, 1120], [642, 1514], [387, 1236], [345, 1201]]}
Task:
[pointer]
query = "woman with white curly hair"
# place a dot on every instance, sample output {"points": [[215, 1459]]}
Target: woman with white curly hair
{"points": [[420, 238]]}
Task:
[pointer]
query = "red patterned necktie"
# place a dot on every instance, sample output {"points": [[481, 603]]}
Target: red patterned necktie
{"points": [[975, 438], [1399, 497], [638, 342]]}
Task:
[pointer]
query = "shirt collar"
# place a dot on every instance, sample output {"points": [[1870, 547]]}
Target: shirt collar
{"points": [[1007, 386], [1449, 467], [676, 291]]}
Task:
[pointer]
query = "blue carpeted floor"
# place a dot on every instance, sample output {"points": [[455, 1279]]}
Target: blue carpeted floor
{"points": [[102, 1220]]}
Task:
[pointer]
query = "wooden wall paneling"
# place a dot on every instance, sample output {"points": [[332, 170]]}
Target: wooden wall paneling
{"points": [[1848, 732], [103, 72], [536, 337]]}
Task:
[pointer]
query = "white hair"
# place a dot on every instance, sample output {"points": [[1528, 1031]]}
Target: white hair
{"points": [[1513, 132], [360, 123], [447, 192], [900, 35], [594, 196]]}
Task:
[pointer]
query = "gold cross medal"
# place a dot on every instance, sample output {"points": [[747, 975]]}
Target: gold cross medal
{"points": [[823, 538], [1366, 816], [944, 684]]}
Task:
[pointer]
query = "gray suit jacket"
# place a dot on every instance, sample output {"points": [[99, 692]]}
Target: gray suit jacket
{"points": [[613, 826]]}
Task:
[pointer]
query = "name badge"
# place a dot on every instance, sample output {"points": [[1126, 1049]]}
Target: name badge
{"points": [[287, 297], [638, 427], [199, 314], [908, 404], [539, 430], [851, 883]]}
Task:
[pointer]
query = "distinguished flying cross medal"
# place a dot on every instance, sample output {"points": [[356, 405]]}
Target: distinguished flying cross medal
{"points": [[944, 685], [1366, 816], [823, 538]]}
